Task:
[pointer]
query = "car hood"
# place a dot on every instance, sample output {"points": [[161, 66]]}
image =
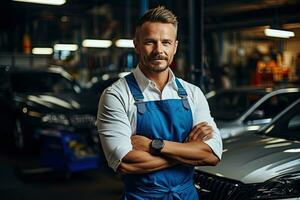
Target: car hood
{"points": [[62, 103], [253, 158]]}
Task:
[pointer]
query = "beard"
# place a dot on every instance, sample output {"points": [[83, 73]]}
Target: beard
{"points": [[147, 60]]}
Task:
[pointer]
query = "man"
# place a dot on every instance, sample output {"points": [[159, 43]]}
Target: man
{"points": [[154, 128]]}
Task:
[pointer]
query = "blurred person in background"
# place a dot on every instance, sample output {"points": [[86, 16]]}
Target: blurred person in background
{"points": [[250, 68], [154, 127]]}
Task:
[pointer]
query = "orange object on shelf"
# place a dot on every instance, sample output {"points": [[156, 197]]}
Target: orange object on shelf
{"points": [[26, 44]]}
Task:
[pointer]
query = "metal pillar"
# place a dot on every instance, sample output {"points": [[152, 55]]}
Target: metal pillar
{"points": [[128, 20], [196, 26], [144, 6], [191, 76]]}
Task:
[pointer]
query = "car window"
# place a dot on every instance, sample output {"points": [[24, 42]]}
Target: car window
{"points": [[230, 105], [294, 123], [40, 82], [274, 105], [287, 125], [291, 127]]}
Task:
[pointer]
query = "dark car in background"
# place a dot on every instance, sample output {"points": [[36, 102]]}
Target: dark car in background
{"points": [[99, 83], [260, 165], [248, 108], [34, 100]]}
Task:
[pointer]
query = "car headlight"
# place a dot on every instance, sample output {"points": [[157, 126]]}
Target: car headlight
{"points": [[56, 119], [281, 187]]}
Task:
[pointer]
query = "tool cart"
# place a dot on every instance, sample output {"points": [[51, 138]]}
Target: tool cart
{"points": [[66, 152]]}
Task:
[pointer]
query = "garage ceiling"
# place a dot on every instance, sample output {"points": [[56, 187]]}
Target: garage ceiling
{"points": [[78, 18]]}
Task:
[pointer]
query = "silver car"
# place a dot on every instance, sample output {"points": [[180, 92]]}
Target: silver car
{"points": [[241, 109], [260, 165]]}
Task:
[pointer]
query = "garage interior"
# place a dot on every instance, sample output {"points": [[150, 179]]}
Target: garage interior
{"points": [[222, 44]]}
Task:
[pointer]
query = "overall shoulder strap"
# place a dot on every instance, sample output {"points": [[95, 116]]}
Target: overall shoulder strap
{"points": [[136, 93], [182, 94]]}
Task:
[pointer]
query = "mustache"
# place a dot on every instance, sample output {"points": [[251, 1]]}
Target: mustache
{"points": [[158, 57]]}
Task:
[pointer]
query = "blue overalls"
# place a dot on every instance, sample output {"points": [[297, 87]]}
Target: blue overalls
{"points": [[171, 120]]}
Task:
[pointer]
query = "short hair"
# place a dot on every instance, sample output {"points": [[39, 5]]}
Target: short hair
{"points": [[158, 14]]}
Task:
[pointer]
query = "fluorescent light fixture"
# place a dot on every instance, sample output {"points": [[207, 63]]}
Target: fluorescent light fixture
{"points": [[125, 43], [65, 47], [42, 51], [48, 2], [96, 43], [279, 33]]}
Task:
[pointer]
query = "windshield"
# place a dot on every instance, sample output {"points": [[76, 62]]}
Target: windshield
{"points": [[286, 126], [229, 105], [41, 82]]}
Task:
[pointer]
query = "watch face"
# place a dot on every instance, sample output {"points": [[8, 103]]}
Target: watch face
{"points": [[157, 144]]}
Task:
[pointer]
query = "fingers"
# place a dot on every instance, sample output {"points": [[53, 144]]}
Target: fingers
{"points": [[140, 142], [201, 131], [204, 135], [136, 140], [196, 128]]}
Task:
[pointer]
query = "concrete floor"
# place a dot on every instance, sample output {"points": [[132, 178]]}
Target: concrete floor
{"points": [[20, 179]]}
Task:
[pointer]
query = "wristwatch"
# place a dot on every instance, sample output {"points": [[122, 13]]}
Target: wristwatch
{"points": [[157, 145]]}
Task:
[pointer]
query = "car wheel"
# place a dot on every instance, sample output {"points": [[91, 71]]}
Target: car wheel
{"points": [[19, 138]]}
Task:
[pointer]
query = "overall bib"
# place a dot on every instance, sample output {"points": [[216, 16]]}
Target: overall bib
{"points": [[171, 120]]}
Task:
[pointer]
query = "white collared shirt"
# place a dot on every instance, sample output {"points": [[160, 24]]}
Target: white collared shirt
{"points": [[117, 116]]}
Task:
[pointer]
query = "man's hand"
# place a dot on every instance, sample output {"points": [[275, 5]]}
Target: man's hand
{"points": [[201, 131], [141, 143]]}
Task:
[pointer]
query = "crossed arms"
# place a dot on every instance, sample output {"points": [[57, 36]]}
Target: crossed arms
{"points": [[192, 152]]}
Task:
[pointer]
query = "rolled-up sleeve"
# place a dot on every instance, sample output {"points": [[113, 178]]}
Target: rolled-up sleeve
{"points": [[113, 127], [202, 114]]}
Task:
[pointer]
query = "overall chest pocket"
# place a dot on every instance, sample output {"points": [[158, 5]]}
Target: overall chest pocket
{"points": [[166, 119]]}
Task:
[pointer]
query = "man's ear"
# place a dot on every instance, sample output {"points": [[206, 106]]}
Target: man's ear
{"points": [[136, 46], [176, 45]]}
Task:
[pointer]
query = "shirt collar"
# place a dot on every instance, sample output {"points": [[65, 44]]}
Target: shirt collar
{"points": [[144, 82]]}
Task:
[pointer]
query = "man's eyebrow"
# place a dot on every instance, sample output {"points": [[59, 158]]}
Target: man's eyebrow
{"points": [[167, 40], [149, 39]]}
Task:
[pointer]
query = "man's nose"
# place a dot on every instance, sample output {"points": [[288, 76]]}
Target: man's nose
{"points": [[159, 47]]}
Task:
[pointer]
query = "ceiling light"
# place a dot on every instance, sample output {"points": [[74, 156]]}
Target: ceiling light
{"points": [[65, 47], [42, 51], [279, 33], [125, 43], [49, 2], [96, 43]]}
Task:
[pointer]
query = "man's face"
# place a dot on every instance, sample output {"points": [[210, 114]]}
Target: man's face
{"points": [[156, 46]]}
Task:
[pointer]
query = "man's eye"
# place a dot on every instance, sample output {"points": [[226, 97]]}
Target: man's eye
{"points": [[149, 42], [166, 43]]}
